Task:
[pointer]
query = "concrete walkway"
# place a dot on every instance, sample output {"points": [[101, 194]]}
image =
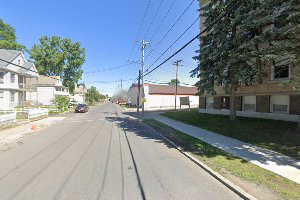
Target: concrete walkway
{"points": [[14, 133], [267, 159]]}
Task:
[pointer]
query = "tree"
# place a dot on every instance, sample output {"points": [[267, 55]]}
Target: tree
{"points": [[220, 65], [62, 102], [173, 82], [54, 56], [234, 50], [8, 37], [93, 95]]}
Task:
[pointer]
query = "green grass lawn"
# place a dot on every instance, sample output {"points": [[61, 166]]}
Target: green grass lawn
{"points": [[279, 136], [229, 166]]}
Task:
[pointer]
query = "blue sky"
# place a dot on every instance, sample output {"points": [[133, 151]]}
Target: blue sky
{"points": [[108, 29]]}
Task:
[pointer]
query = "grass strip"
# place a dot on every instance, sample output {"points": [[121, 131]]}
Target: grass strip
{"points": [[231, 167], [279, 136]]}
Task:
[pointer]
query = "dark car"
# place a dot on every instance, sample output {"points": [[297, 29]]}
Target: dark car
{"points": [[82, 108]]}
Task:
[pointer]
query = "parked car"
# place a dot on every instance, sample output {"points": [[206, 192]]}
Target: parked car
{"points": [[82, 108]]}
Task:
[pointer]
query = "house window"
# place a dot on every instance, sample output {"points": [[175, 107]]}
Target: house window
{"points": [[249, 103], [2, 77], [1, 94], [12, 78], [282, 71], [209, 102], [280, 104], [12, 97]]}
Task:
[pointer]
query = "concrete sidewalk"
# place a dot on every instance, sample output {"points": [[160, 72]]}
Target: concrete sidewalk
{"points": [[12, 134], [275, 162]]}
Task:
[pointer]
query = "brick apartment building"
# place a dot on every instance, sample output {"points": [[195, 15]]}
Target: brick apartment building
{"points": [[277, 97]]}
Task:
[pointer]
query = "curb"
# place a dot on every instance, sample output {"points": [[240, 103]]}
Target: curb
{"points": [[233, 187]]}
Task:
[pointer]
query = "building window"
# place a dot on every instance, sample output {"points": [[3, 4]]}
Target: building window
{"points": [[12, 78], [2, 77], [249, 103], [1, 94], [12, 97], [209, 102], [282, 71], [280, 104]]}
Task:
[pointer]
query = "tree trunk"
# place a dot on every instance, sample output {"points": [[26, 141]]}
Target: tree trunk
{"points": [[298, 128], [232, 104]]}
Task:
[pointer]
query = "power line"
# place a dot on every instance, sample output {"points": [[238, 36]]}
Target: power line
{"points": [[160, 41], [26, 68], [196, 37], [139, 28], [109, 68], [115, 81], [162, 21], [173, 43], [153, 19]]}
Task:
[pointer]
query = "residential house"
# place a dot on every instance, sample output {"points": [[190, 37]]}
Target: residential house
{"points": [[163, 96], [79, 93], [50, 87], [276, 97], [17, 77]]}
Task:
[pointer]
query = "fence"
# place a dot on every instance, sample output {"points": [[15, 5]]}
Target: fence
{"points": [[7, 117], [37, 112]]}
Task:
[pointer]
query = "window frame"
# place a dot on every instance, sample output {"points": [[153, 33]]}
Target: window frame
{"points": [[12, 77], [279, 112], [281, 64], [1, 94], [2, 82], [12, 97]]}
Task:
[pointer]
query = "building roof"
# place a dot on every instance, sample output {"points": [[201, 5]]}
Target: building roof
{"points": [[170, 90], [7, 55], [45, 80], [28, 68], [80, 89]]}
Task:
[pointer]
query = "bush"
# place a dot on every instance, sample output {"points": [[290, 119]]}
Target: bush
{"points": [[62, 103]]}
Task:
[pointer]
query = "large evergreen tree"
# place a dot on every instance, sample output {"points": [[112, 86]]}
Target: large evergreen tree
{"points": [[234, 50]]}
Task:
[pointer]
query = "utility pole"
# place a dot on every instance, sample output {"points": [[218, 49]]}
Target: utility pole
{"points": [[138, 93], [176, 87], [143, 46]]}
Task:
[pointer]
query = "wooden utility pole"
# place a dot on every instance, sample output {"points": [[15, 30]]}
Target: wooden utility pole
{"points": [[176, 86], [143, 46], [138, 93]]}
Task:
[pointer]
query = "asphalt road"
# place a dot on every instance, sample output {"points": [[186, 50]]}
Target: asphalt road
{"points": [[98, 155]]}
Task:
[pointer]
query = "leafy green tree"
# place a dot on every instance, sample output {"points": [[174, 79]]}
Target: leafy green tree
{"points": [[54, 56], [173, 82], [62, 102], [92, 95], [8, 37]]}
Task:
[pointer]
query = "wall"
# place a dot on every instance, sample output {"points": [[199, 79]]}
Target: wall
{"points": [[168, 101], [78, 98], [45, 95], [4, 104], [284, 117], [132, 94]]}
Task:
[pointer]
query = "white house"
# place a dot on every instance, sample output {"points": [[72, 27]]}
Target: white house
{"points": [[17, 78], [163, 96], [79, 94], [50, 87]]}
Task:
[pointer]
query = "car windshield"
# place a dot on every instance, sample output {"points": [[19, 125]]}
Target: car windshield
{"points": [[81, 106]]}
